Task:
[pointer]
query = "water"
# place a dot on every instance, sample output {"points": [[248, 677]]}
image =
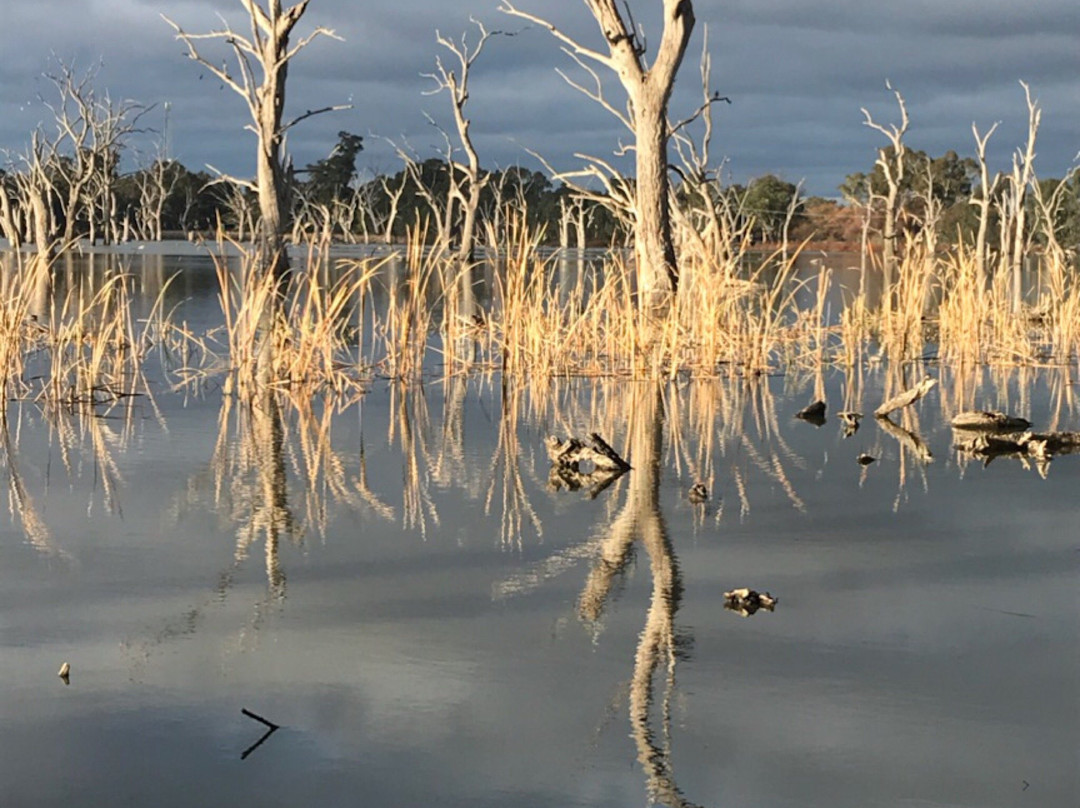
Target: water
{"points": [[430, 622]]}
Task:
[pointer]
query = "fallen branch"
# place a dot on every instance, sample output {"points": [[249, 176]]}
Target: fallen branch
{"points": [[906, 398]]}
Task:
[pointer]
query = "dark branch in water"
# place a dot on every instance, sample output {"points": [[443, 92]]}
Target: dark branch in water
{"points": [[272, 728]]}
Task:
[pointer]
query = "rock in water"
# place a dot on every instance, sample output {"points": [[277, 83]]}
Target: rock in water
{"points": [[813, 413]]}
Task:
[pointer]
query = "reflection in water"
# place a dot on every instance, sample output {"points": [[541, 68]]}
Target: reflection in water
{"points": [[20, 502], [640, 520], [248, 484]]}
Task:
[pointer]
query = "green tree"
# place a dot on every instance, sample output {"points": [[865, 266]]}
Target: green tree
{"points": [[328, 179], [767, 201]]}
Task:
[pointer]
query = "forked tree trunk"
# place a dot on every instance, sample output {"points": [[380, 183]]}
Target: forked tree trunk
{"points": [[649, 89], [268, 48]]}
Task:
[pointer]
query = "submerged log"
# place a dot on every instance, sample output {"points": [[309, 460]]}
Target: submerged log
{"points": [[748, 601], [989, 421], [906, 398]]}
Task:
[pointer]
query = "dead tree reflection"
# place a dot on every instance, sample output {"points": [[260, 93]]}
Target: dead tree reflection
{"points": [[20, 503], [640, 520]]}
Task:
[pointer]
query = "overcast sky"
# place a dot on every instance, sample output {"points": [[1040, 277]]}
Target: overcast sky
{"points": [[797, 73]]}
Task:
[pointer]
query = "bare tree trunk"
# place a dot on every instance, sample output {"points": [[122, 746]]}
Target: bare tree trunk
{"points": [[458, 87], [986, 193], [1022, 174], [648, 88], [268, 47], [893, 168], [8, 224]]}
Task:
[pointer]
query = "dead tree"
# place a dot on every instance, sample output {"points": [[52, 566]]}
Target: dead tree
{"points": [[456, 83], [892, 166], [393, 197], [648, 88], [983, 202], [262, 64], [93, 127], [1022, 175], [36, 190]]}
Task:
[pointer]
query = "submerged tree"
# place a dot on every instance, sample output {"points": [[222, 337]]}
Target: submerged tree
{"points": [[262, 66], [648, 88]]}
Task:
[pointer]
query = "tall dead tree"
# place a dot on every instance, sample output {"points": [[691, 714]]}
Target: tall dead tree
{"points": [[259, 77], [456, 83], [983, 202], [892, 166], [1021, 177], [648, 88]]}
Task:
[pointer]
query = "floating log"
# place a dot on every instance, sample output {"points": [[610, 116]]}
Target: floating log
{"points": [[748, 601], [989, 421], [571, 452], [906, 398], [568, 455]]}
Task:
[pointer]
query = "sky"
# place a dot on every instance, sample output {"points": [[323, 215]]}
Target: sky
{"points": [[797, 72]]}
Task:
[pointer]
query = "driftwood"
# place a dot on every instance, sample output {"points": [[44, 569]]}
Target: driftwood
{"points": [[906, 398], [748, 601], [812, 413], [989, 421], [603, 464], [572, 452], [911, 441]]}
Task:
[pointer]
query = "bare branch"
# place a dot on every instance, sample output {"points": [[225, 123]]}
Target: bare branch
{"points": [[508, 8], [312, 113]]}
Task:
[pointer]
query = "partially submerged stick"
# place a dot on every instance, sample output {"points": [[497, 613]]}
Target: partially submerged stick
{"points": [[906, 398]]}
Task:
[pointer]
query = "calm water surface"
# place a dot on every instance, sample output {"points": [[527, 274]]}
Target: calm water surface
{"points": [[431, 621]]}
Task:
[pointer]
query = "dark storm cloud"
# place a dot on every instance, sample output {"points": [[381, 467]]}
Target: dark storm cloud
{"points": [[797, 74]]}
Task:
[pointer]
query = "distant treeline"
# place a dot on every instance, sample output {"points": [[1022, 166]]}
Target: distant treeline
{"points": [[328, 199]]}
